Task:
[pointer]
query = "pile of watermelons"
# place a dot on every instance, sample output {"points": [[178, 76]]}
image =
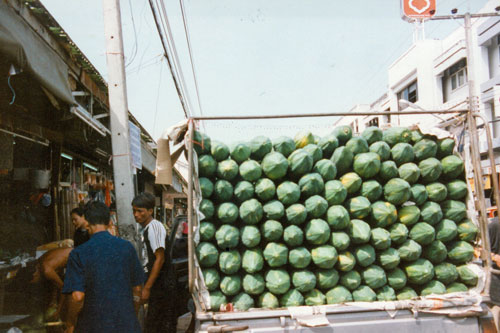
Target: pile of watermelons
{"points": [[320, 220]]}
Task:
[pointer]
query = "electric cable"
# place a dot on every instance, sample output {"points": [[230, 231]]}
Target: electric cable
{"points": [[11, 89], [383, 66], [150, 62], [170, 49], [175, 58], [176, 61], [190, 50], [135, 46], [176, 83]]}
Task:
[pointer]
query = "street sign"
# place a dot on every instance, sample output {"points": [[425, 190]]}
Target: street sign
{"points": [[135, 145], [417, 9]]}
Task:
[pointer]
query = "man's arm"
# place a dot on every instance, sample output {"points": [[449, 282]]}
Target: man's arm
{"points": [[50, 274], [494, 257], [155, 272], [74, 286], [75, 304], [53, 261], [136, 292]]}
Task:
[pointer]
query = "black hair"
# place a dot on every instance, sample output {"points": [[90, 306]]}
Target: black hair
{"points": [[144, 200], [78, 211], [97, 213]]}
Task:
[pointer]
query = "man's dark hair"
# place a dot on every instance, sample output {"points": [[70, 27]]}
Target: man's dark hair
{"points": [[97, 213], [78, 211], [144, 200]]}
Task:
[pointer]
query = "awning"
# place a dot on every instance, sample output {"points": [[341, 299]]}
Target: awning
{"points": [[148, 159], [28, 51]]}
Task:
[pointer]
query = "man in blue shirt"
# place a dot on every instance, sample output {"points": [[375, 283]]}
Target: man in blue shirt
{"points": [[104, 277]]}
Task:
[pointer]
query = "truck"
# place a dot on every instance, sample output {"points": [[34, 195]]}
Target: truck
{"points": [[455, 312]]}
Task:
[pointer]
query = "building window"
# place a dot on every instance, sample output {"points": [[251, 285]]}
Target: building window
{"points": [[458, 74], [498, 44], [410, 93], [373, 122], [458, 79]]}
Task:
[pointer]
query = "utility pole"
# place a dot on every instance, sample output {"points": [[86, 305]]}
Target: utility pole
{"points": [[470, 64], [117, 90]]}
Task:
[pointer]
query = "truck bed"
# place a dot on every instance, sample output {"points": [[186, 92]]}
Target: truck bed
{"points": [[348, 319]]}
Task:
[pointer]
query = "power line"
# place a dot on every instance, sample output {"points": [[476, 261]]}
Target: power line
{"points": [[135, 46], [383, 66], [186, 30], [168, 43], [176, 83], [176, 62], [152, 61]]}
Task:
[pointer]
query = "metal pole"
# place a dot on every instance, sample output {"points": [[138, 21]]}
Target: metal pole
{"points": [[117, 89], [190, 206], [476, 156], [478, 182], [470, 65], [491, 157], [334, 114], [454, 17]]}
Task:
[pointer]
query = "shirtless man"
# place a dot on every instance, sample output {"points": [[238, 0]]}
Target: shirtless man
{"points": [[50, 267]]}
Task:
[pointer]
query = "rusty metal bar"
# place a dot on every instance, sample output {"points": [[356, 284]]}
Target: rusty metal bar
{"points": [[334, 114], [478, 183], [190, 207], [455, 17], [491, 157]]}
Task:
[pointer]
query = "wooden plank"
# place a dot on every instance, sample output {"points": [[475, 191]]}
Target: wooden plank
{"points": [[94, 89], [56, 176]]}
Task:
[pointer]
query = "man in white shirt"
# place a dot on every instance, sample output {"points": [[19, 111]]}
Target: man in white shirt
{"points": [[154, 292]]}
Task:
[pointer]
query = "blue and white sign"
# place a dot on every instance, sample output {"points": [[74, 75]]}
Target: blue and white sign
{"points": [[135, 145]]}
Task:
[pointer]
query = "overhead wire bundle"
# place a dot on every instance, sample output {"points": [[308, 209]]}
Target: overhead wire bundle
{"points": [[171, 54]]}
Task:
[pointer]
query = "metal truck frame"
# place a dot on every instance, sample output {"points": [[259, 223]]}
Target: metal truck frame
{"points": [[363, 317]]}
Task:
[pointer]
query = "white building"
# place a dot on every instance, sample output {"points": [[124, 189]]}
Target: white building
{"points": [[488, 42], [433, 75]]}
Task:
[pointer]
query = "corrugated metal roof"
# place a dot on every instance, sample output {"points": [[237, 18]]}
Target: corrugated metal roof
{"points": [[74, 52], [44, 16]]}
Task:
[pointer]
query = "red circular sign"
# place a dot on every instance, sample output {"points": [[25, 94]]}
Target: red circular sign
{"points": [[418, 9]]}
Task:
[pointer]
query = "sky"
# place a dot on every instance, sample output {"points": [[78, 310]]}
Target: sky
{"points": [[254, 57]]}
